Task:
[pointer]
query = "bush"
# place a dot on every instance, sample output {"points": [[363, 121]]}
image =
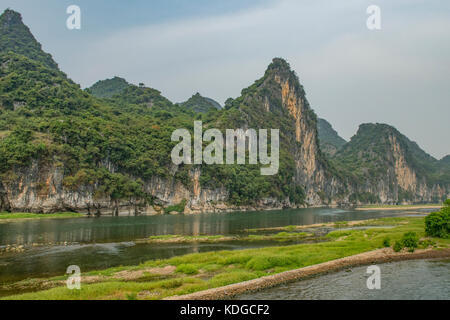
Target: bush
{"points": [[437, 224], [398, 246], [386, 242], [410, 240]]}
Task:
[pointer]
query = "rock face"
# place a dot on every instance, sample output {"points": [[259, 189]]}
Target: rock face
{"points": [[382, 165], [283, 96]]}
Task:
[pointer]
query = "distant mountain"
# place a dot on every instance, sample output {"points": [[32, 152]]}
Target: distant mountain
{"points": [[330, 141], [16, 37], [109, 87], [198, 103], [391, 166], [446, 160]]}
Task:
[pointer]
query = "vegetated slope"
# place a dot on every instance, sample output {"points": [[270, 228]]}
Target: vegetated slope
{"points": [[276, 101], [108, 88], [330, 141], [16, 37], [385, 164], [62, 148], [198, 103]]}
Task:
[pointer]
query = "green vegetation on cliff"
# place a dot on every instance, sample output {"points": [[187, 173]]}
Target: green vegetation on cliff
{"points": [[375, 151], [16, 37], [330, 141], [108, 88], [114, 137], [198, 103]]}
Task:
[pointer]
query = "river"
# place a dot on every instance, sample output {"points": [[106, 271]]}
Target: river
{"points": [[404, 280], [98, 243]]}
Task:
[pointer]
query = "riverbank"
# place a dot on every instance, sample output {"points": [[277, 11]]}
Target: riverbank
{"points": [[399, 207], [372, 257], [10, 217], [181, 275]]}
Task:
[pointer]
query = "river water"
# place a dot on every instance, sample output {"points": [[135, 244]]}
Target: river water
{"points": [[98, 243], [404, 280]]}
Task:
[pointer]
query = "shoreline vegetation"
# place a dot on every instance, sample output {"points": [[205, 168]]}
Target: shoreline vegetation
{"points": [[177, 277], [9, 217], [400, 207]]}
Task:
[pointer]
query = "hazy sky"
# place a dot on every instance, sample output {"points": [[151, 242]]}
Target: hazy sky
{"points": [[398, 75]]}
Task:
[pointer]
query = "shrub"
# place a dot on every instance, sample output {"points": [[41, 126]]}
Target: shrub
{"points": [[177, 207], [437, 224], [398, 246], [410, 240], [386, 242], [131, 296]]}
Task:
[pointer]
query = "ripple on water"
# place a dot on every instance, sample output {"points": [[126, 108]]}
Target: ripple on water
{"points": [[416, 280]]}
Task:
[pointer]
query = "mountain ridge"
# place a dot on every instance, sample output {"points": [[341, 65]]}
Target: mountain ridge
{"points": [[67, 149]]}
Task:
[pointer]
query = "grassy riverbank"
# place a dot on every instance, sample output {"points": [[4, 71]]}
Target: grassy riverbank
{"points": [[280, 236], [401, 206], [196, 272], [6, 216]]}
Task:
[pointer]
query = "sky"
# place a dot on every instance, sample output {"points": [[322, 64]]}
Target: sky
{"points": [[399, 75]]}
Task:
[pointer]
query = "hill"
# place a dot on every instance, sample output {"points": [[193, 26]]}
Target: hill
{"points": [[330, 141], [108, 88], [198, 103], [391, 166]]}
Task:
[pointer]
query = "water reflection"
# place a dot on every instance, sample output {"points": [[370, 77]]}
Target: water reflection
{"points": [[119, 229], [97, 243]]}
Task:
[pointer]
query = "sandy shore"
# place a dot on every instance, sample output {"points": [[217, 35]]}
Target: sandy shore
{"points": [[372, 257], [399, 208]]}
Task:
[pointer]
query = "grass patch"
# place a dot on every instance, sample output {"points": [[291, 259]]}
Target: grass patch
{"points": [[14, 216], [387, 206]]}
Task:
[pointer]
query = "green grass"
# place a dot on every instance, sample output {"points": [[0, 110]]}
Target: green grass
{"points": [[400, 205], [200, 271], [14, 216]]}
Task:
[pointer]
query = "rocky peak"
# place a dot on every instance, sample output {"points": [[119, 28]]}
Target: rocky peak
{"points": [[15, 36], [10, 18]]}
